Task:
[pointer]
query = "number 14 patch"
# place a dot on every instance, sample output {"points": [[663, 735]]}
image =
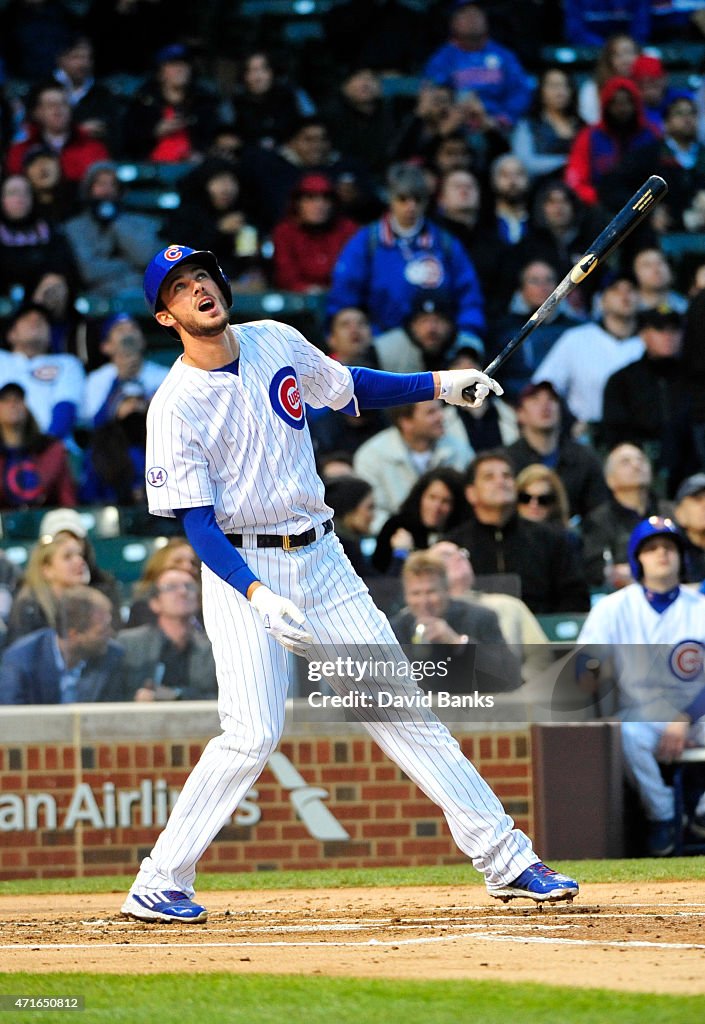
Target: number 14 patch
{"points": [[156, 476]]}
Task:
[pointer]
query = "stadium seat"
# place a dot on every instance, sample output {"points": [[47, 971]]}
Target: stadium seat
{"points": [[688, 56], [400, 85], [562, 626], [138, 174], [122, 84], [97, 308], [17, 551], [578, 56], [125, 556], [680, 243], [22, 524], [285, 8], [136, 521], [150, 200], [101, 520], [92, 306], [678, 55]]}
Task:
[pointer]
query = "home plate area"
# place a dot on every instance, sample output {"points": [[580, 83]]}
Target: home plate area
{"points": [[647, 937]]}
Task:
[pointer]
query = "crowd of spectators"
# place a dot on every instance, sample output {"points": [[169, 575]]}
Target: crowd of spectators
{"points": [[427, 180], [427, 222]]}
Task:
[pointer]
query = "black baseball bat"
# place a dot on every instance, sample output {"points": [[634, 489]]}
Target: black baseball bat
{"points": [[623, 223]]}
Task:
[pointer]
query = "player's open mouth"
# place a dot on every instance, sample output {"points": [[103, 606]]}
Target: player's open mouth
{"points": [[206, 304]]}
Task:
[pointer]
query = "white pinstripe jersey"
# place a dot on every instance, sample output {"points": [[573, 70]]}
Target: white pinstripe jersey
{"points": [[580, 364], [239, 441], [658, 658]]}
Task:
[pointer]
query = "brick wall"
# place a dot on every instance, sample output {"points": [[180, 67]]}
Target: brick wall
{"points": [[116, 794]]}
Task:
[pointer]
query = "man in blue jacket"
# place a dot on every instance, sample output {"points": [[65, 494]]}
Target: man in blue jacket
{"points": [[78, 662], [387, 264], [473, 64]]}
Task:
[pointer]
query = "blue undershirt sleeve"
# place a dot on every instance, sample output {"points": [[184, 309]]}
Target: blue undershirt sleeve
{"points": [[377, 389], [212, 547], [63, 418]]}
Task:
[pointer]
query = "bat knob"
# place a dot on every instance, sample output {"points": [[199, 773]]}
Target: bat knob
{"points": [[469, 393]]}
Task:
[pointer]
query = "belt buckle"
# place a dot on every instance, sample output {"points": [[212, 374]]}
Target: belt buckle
{"points": [[286, 542]]}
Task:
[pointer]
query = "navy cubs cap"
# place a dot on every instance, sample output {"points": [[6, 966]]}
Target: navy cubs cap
{"points": [[173, 256]]}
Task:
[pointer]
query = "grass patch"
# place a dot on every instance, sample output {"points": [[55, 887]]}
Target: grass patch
{"points": [[675, 869], [263, 999]]}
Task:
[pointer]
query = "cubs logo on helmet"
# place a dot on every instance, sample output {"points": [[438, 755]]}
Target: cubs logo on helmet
{"points": [[168, 259], [285, 396]]}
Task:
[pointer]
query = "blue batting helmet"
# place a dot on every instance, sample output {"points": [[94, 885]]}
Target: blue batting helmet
{"points": [[654, 526], [173, 256]]}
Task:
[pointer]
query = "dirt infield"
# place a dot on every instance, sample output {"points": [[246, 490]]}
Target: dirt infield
{"points": [[638, 937]]}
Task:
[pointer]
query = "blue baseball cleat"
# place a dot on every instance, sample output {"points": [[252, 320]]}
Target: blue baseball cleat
{"points": [[167, 905], [539, 883]]}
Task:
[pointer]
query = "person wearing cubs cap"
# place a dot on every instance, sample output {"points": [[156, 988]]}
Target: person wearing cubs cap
{"points": [[652, 633], [229, 454]]}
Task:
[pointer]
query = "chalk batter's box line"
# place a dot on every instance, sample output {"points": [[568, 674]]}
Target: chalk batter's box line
{"points": [[483, 937]]}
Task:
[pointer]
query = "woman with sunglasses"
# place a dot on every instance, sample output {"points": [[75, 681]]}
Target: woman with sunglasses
{"points": [[541, 495], [542, 498]]}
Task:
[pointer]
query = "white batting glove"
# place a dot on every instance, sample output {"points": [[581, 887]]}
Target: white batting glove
{"points": [[274, 611], [453, 382]]}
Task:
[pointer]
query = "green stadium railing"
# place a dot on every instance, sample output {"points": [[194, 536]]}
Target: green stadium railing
{"points": [[689, 56]]}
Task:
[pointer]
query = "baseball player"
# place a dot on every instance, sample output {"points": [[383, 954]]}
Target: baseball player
{"points": [[229, 454], [653, 632]]}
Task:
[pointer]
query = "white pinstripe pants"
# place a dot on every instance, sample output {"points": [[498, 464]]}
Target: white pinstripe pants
{"points": [[253, 683]]}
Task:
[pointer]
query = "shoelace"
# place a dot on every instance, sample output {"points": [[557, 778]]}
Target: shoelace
{"points": [[543, 869]]}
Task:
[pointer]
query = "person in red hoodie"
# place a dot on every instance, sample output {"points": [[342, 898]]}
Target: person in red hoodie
{"points": [[308, 241], [50, 124], [599, 158]]}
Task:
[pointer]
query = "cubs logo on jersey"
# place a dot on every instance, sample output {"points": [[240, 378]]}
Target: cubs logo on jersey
{"points": [[47, 373], [425, 271], [686, 659], [285, 396], [22, 481]]}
